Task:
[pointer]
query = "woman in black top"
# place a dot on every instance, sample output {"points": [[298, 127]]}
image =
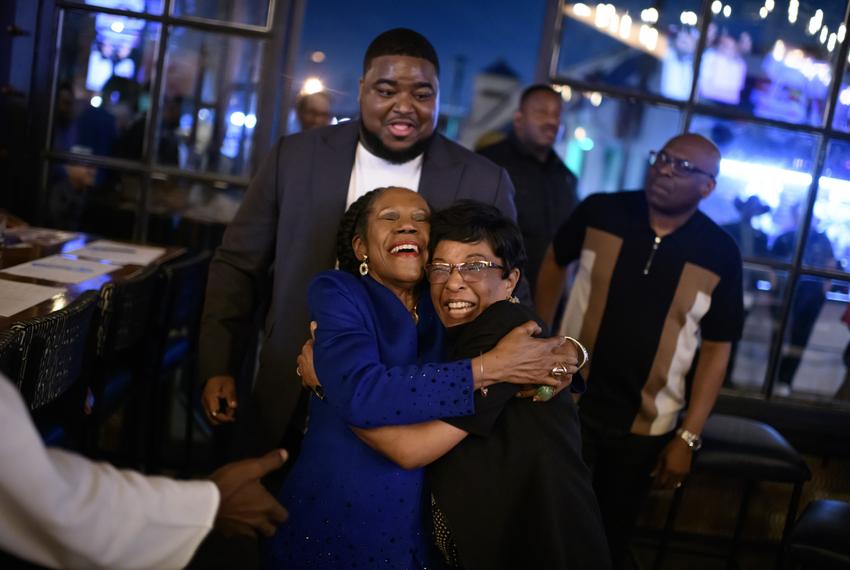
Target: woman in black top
{"points": [[509, 482]]}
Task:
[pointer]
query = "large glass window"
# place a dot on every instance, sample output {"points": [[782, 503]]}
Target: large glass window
{"points": [[763, 292], [831, 217], [92, 199], [209, 103], [106, 67], [773, 59], [149, 6], [141, 95], [606, 140], [764, 180], [251, 12], [814, 359], [642, 46]]}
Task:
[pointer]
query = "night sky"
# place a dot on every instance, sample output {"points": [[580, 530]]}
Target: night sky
{"points": [[481, 31]]}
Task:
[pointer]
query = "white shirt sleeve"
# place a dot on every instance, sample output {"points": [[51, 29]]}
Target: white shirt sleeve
{"points": [[61, 510]]}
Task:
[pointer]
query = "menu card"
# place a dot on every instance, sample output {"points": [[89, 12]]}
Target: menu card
{"points": [[38, 236], [117, 252], [16, 296], [61, 269]]}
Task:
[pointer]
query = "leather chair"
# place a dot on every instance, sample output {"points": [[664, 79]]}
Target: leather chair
{"points": [[750, 451], [820, 539]]}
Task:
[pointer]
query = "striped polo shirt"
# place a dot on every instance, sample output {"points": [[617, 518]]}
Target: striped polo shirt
{"points": [[641, 303]]}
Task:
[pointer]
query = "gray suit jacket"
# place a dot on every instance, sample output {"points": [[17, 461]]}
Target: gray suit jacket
{"points": [[287, 224]]}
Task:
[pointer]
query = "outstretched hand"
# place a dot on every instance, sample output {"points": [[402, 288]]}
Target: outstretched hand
{"points": [[246, 507]]}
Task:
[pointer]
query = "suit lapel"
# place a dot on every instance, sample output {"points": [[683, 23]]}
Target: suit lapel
{"points": [[331, 173], [441, 174]]}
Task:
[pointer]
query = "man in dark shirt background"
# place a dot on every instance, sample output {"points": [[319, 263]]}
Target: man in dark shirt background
{"points": [[545, 188]]}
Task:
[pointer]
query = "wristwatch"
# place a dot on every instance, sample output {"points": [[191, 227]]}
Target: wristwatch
{"points": [[693, 440]]}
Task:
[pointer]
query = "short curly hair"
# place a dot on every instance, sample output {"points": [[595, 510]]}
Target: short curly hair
{"points": [[401, 41], [354, 223], [470, 221]]}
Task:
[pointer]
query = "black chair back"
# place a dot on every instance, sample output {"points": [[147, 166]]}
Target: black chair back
{"points": [[126, 308], [45, 355], [127, 311], [175, 349], [186, 283]]}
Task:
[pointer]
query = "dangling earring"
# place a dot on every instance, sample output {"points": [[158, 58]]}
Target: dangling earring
{"points": [[513, 299], [364, 267]]}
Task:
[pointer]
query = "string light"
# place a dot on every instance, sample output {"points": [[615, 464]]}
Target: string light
{"points": [[625, 26]]}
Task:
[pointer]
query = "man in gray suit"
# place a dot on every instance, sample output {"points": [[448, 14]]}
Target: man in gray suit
{"points": [[286, 225]]}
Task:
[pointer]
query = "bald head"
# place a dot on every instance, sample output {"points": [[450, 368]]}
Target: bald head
{"points": [[684, 173], [703, 153]]}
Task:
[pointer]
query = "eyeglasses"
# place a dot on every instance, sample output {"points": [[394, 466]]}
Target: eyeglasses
{"points": [[679, 166], [470, 272]]}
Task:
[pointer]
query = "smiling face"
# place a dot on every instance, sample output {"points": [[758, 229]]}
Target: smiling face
{"points": [[396, 239], [399, 101], [458, 301], [670, 194]]}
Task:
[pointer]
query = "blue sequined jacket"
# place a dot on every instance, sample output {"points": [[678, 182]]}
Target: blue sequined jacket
{"points": [[347, 503]]}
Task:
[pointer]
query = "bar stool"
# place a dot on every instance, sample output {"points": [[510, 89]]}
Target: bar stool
{"points": [[821, 538], [742, 448]]}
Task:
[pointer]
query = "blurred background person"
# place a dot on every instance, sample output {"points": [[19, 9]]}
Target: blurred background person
{"points": [[313, 110], [545, 187], [808, 301]]}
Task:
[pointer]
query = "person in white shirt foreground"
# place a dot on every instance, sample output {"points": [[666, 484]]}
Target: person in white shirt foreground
{"points": [[60, 510]]}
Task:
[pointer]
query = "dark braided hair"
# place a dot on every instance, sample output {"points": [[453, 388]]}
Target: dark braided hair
{"points": [[354, 223]]}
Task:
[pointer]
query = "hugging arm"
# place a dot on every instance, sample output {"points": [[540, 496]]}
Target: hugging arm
{"points": [[367, 393], [414, 446]]}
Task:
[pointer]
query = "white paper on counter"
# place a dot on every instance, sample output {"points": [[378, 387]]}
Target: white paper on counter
{"points": [[61, 269], [40, 236], [117, 252], [16, 296]]}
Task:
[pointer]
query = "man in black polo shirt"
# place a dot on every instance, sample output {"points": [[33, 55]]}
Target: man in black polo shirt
{"points": [[545, 188], [656, 280]]}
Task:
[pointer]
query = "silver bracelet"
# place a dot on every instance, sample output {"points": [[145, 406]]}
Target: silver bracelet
{"points": [[585, 357]]}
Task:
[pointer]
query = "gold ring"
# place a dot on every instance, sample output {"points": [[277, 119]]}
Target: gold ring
{"points": [[559, 370]]}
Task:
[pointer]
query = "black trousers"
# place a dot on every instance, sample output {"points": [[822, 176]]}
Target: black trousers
{"points": [[621, 465]]}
